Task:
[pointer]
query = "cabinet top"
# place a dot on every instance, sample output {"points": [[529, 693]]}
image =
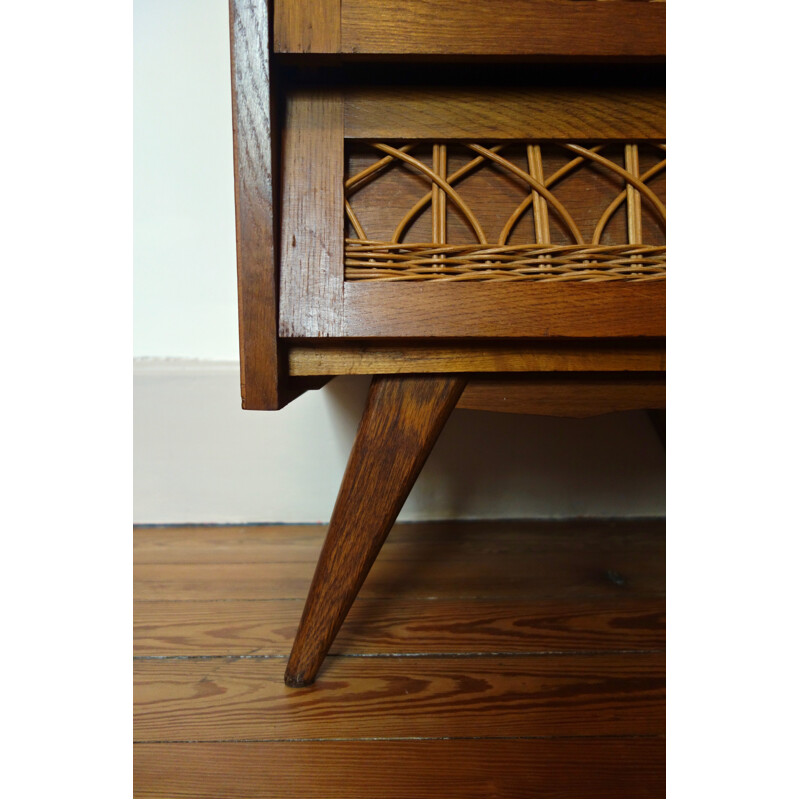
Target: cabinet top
{"points": [[575, 29]]}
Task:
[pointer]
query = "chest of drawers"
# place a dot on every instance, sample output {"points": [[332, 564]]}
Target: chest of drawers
{"points": [[464, 200]]}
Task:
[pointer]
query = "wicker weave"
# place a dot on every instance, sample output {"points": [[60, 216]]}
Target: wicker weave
{"points": [[388, 261], [541, 261], [367, 260]]}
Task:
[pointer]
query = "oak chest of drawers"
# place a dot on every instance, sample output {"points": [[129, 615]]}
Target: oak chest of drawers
{"points": [[464, 200]]}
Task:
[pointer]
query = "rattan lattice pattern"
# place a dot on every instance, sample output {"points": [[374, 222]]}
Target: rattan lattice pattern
{"points": [[398, 260]]}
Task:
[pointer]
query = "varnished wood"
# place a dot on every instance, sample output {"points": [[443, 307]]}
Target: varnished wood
{"points": [[307, 26], [565, 396], [503, 27], [606, 592], [551, 569], [472, 540], [312, 207], [503, 310], [495, 113], [364, 357], [509, 577], [400, 425], [619, 767], [245, 698], [255, 207], [243, 715], [484, 309], [395, 626]]}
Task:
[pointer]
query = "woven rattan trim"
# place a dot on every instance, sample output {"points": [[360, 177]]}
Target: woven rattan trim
{"points": [[367, 260], [437, 259]]}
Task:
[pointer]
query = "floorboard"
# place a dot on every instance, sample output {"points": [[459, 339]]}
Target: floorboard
{"points": [[244, 698], [566, 768], [398, 625], [482, 659]]}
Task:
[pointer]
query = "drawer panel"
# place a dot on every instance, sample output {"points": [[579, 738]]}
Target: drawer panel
{"points": [[506, 237]]}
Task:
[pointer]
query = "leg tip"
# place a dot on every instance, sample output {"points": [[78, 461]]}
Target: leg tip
{"points": [[296, 681]]}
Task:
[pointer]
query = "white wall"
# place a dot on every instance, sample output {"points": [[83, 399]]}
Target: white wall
{"points": [[184, 286], [197, 456]]}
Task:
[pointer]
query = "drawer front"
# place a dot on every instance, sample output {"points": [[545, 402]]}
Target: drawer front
{"points": [[442, 212], [574, 28]]}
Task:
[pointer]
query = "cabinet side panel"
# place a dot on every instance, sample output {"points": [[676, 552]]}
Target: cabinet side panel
{"points": [[253, 170]]}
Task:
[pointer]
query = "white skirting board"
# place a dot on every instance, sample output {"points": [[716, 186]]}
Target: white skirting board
{"points": [[198, 458]]}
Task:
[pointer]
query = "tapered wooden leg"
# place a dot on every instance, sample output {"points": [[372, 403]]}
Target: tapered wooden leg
{"points": [[402, 420]]}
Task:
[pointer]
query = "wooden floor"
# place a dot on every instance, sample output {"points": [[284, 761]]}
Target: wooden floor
{"points": [[499, 659]]}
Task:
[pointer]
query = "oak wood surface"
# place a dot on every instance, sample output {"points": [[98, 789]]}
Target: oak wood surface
{"points": [[558, 695], [313, 301], [401, 422], [255, 205], [312, 208], [495, 113], [577, 395], [510, 310], [619, 767], [369, 358], [307, 26], [501, 27]]}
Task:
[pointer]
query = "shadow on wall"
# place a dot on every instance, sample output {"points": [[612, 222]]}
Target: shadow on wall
{"points": [[516, 464], [198, 458]]}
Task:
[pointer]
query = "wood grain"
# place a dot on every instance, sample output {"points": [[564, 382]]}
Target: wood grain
{"points": [[565, 396], [605, 573], [503, 27], [307, 26], [255, 235], [495, 113], [369, 358], [503, 310], [481, 559], [399, 625], [473, 540], [314, 303], [224, 699], [312, 207], [619, 767], [259, 739], [401, 422]]}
